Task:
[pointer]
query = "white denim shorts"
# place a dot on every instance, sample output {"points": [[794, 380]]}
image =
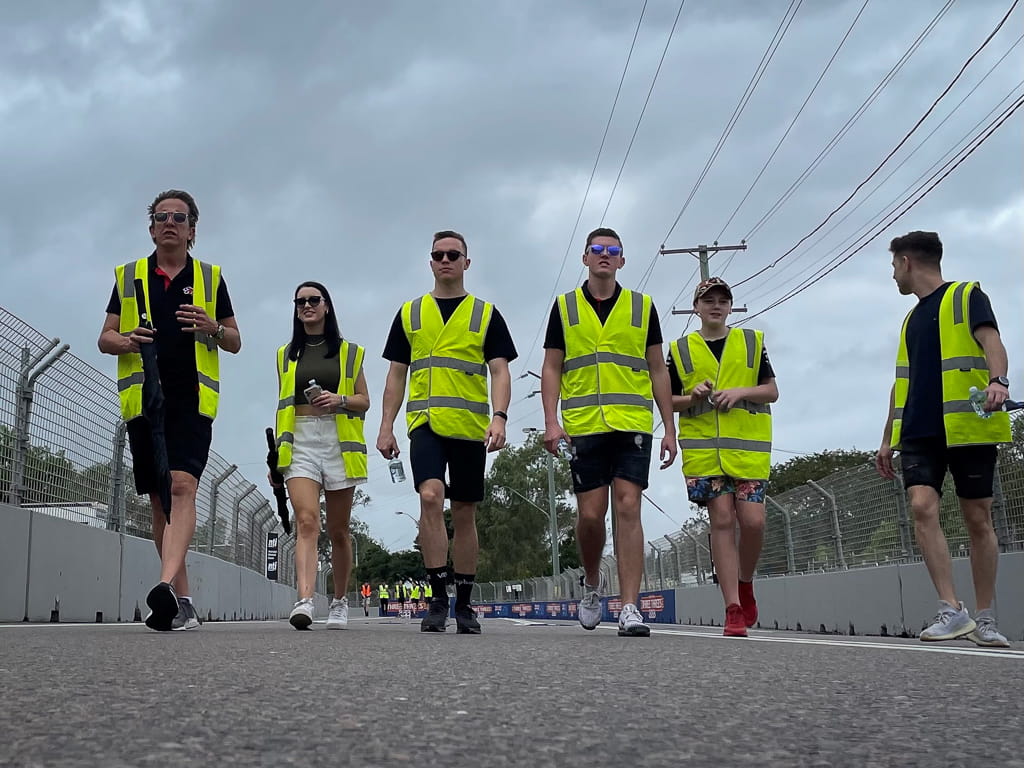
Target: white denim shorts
{"points": [[315, 454]]}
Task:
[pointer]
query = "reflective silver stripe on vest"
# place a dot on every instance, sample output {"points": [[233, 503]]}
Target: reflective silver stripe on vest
{"points": [[897, 413], [286, 402], [477, 318], [572, 311], [958, 406], [902, 371], [414, 314], [480, 369], [351, 414], [725, 444], [965, 363], [207, 340], [587, 401], [350, 446], [350, 361], [703, 406], [638, 309], [208, 382], [750, 337], [448, 402], [129, 282], [207, 272], [958, 304], [684, 355], [286, 437], [585, 361], [130, 381]]}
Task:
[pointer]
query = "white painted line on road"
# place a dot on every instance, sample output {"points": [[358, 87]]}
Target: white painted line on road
{"points": [[1001, 654]]}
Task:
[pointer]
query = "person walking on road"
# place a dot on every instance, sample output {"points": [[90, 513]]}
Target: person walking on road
{"points": [[364, 593], [722, 384], [322, 402], [447, 342], [949, 343], [190, 319], [603, 360], [383, 598]]}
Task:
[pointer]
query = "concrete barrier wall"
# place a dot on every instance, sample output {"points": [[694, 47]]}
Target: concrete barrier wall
{"points": [[47, 563]]}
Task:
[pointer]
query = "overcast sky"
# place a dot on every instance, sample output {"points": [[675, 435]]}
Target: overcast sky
{"points": [[327, 141]]}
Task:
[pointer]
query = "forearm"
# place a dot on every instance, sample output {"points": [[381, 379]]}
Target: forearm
{"points": [[762, 393], [357, 403], [887, 430], [995, 355], [114, 343], [394, 393], [682, 403], [550, 383], [662, 387], [232, 341], [501, 388]]}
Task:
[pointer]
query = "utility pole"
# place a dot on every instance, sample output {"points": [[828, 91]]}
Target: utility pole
{"points": [[702, 252]]}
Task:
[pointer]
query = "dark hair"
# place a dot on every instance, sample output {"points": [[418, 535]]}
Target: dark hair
{"points": [[603, 232], [451, 233], [925, 246], [186, 198], [332, 334]]}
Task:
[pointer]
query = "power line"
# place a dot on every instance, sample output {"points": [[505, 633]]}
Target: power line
{"points": [[848, 125], [895, 149]]}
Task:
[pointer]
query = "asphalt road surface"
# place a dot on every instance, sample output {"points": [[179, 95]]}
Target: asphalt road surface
{"points": [[523, 693]]}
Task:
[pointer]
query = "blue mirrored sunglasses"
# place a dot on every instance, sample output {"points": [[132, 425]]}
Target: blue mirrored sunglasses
{"points": [[613, 250]]}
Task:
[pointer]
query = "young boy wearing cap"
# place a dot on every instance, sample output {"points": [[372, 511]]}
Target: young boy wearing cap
{"points": [[722, 384]]}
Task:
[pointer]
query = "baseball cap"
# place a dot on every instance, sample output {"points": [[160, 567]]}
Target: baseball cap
{"points": [[712, 282]]}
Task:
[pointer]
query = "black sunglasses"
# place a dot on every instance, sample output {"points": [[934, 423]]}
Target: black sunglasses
{"points": [[177, 216], [313, 301], [452, 255]]}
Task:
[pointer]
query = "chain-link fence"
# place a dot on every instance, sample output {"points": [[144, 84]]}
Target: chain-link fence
{"points": [[63, 453], [852, 518]]}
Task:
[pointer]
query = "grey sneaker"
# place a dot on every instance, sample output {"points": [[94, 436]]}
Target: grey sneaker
{"points": [[186, 618], [301, 616], [337, 617], [950, 623], [590, 605], [986, 633], [631, 623]]}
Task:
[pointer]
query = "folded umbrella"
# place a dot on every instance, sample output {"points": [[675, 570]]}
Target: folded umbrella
{"points": [[278, 480], [153, 409]]}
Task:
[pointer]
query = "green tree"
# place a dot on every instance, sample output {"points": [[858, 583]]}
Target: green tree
{"points": [[814, 466]]}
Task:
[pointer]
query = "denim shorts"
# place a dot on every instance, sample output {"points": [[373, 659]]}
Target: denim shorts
{"points": [[315, 454], [597, 459], [701, 490]]}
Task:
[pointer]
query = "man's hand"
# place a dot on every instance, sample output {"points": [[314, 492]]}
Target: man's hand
{"points": [[195, 320], [138, 337], [386, 443], [495, 437], [669, 447], [270, 479], [553, 435], [883, 461], [702, 390], [997, 395], [725, 399]]}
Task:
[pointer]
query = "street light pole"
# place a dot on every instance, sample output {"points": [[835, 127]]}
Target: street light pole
{"points": [[552, 508]]}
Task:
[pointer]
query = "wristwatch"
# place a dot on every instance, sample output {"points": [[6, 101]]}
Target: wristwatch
{"points": [[502, 414], [344, 402], [219, 333], [1001, 380]]}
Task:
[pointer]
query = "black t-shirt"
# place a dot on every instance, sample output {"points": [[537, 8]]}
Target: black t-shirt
{"points": [[764, 366], [554, 338], [175, 348], [922, 414], [497, 341]]}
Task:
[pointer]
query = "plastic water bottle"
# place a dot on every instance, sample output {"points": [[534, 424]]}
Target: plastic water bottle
{"points": [[564, 449], [313, 391], [978, 397], [397, 470]]}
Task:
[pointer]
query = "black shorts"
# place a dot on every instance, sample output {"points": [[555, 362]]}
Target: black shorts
{"points": [[187, 434], [596, 459], [924, 462], [430, 454]]}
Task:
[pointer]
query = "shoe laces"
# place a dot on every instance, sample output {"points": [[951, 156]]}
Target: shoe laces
{"points": [[944, 616], [630, 615], [986, 624]]}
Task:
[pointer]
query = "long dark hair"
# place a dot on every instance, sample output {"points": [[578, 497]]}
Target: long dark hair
{"points": [[332, 334]]}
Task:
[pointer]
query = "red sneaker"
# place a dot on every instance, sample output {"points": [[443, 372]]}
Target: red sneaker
{"points": [[748, 603], [734, 624]]}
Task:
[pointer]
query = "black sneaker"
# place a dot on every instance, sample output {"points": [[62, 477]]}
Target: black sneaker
{"points": [[465, 621], [437, 616], [163, 606], [186, 618]]}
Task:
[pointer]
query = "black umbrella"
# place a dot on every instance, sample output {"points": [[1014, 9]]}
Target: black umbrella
{"points": [[278, 478], [153, 408]]}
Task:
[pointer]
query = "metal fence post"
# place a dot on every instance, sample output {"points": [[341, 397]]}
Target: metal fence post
{"points": [[679, 561], [999, 521], [115, 511], [214, 497], [697, 546], [788, 527], [903, 519], [234, 520], [661, 568], [253, 528], [837, 533], [31, 367]]}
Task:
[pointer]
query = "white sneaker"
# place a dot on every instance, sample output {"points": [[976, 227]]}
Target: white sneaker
{"points": [[631, 623], [986, 633], [337, 618], [950, 623], [590, 605], [302, 614]]}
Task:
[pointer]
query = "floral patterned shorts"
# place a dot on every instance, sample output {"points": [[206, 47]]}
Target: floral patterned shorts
{"points": [[702, 489]]}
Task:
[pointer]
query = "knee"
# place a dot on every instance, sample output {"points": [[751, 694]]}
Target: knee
{"points": [[307, 524], [978, 520], [183, 487], [340, 538], [752, 524], [431, 494]]}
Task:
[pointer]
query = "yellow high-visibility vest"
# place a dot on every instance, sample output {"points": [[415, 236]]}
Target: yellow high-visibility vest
{"points": [[447, 371], [382, 591], [737, 442], [351, 441], [606, 382], [205, 283], [963, 366]]}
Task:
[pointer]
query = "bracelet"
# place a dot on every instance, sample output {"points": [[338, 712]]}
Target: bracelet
{"points": [[502, 414]]}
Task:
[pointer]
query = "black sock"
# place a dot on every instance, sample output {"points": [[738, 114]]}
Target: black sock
{"points": [[464, 588], [438, 583]]}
